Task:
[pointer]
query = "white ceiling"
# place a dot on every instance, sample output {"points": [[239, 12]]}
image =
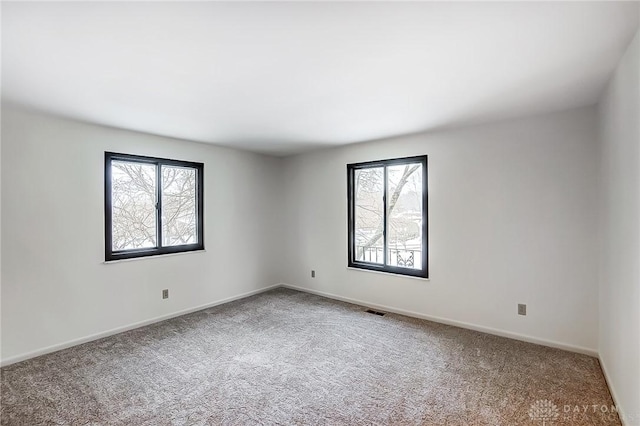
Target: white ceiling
{"points": [[282, 78]]}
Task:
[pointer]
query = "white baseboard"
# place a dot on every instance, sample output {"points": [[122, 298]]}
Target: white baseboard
{"points": [[489, 330], [117, 330], [614, 396]]}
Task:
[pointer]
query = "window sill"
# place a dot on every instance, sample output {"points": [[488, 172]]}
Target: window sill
{"points": [[393, 274], [155, 256]]}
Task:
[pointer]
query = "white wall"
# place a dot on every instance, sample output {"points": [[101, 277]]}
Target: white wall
{"points": [[512, 219], [0, 198], [55, 286], [619, 112]]}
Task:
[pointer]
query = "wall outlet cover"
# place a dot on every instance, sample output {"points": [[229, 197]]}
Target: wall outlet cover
{"points": [[522, 309]]}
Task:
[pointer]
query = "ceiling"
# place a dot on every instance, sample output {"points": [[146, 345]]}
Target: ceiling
{"points": [[283, 78]]}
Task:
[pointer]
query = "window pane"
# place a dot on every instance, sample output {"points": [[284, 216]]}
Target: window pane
{"points": [[134, 205], [404, 217], [179, 224], [369, 220]]}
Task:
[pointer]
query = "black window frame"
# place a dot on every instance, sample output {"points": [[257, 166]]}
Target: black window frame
{"points": [[352, 262], [109, 253]]}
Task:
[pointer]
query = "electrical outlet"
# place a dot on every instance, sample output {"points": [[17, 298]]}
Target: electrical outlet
{"points": [[313, 273], [522, 309], [165, 293]]}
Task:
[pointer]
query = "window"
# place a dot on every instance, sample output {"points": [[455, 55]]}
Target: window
{"points": [[388, 216], [152, 206]]}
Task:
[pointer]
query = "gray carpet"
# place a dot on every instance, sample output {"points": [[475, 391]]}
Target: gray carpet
{"points": [[286, 357]]}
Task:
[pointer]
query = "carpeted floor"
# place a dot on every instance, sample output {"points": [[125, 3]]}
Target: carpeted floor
{"points": [[286, 357]]}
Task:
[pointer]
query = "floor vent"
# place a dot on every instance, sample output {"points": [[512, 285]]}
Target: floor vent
{"points": [[371, 311]]}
